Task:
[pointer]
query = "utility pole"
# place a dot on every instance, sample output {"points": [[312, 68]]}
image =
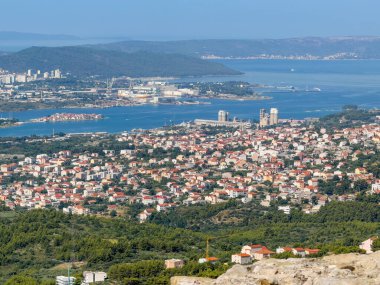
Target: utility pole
{"points": [[68, 274]]}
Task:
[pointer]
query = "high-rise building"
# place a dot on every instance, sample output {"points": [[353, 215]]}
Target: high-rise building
{"points": [[273, 116], [222, 116], [10, 79], [57, 73], [270, 119], [263, 118]]}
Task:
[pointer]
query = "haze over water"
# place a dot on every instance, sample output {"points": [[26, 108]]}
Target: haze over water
{"points": [[341, 82]]}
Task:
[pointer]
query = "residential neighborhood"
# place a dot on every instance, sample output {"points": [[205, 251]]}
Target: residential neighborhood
{"points": [[288, 165]]}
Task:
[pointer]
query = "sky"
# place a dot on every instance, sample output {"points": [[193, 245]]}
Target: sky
{"points": [[192, 19]]}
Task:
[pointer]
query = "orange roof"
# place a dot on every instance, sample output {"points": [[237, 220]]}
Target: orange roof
{"points": [[212, 259], [242, 254], [287, 248], [299, 249], [264, 250], [312, 250]]}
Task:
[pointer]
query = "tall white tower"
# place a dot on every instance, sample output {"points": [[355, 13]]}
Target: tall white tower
{"points": [[222, 116], [273, 116]]}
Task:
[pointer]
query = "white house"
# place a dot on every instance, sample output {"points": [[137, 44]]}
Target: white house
{"points": [[367, 244], [92, 277], [241, 258], [63, 280], [283, 249], [285, 209], [251, 248], [375, 188], [299, 251], [174, 263]]}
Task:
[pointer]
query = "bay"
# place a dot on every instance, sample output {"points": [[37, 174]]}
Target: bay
{"points": [[341, 83]]}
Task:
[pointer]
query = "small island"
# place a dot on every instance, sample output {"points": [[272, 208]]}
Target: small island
{"points": [[68, 117], [7, 123]]}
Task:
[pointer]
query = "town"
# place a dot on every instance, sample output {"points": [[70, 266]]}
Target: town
{"points": [[289, 163]]}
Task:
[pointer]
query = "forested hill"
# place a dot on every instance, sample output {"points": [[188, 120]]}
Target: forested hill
{"points": [[351, 47], [83, 61], [38, 244]]}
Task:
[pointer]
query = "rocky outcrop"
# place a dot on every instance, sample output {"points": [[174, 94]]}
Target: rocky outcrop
{"points": [[345, 269]]}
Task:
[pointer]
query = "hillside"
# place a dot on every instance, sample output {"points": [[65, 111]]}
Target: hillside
{"points": [[41, 242], [82, 61], [353, 47], [347, 269]]}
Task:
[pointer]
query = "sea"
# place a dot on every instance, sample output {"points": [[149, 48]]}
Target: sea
{"points": [[340, 82]]}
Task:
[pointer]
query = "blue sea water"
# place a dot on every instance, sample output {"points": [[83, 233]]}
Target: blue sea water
{"points": [[341, 82]]}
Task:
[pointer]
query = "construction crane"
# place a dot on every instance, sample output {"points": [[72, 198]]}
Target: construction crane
{"points": [[208, 239], [109, 86]]}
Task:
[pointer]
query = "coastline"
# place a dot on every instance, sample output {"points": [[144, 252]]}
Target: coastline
{"points": [[105, 106]]}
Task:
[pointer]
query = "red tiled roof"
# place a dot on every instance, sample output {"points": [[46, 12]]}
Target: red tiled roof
{"points": [[243, 254]]}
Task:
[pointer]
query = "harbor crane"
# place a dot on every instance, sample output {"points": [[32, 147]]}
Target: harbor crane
{"points": [[110, 84]]}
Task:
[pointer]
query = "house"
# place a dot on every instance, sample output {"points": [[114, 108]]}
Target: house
{"points": [[285, 209], [80, 210], [299, 251], [311, 251], [283, 249], [367, 244], [144, 215], [251, 248], [92, 277], [63, 280], [241, 258], [375, 188], [263, 253], [174, 263]]}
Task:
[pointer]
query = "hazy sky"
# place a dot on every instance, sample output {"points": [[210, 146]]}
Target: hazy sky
{"points": [[190, 19]]}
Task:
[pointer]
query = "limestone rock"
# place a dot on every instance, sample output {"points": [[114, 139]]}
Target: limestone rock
{"points": [[344, 269]]}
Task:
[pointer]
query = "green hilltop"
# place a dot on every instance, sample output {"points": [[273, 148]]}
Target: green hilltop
{"points": [[86, 61]]}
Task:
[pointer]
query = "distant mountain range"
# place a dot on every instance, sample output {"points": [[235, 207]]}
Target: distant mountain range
{"points": [[83, 61], [180, 58], [16, 36], [340, 47]]}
